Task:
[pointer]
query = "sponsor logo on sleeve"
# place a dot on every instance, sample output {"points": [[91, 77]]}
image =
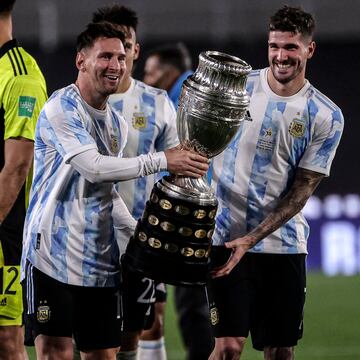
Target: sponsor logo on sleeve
{"points": [[26, 106]]}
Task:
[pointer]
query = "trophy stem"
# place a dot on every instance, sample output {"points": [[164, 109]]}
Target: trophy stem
{"points": [[196, 190]]}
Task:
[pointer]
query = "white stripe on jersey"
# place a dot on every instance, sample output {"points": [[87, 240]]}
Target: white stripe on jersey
{"points": [[259, 165]]}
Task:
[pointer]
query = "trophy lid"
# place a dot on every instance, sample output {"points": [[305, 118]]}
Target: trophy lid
{"points": [[222, 76]]}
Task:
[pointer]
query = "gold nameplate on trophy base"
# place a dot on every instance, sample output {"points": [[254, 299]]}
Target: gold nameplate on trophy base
{"points": [[153, 220], [187, 251], [165, 204], [155, 243]]}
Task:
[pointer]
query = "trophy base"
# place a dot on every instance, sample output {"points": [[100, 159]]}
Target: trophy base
{"points": [[172, 240], [164, 269]]}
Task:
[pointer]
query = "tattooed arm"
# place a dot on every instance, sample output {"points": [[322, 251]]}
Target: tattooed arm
{"points": [[305, 183]]}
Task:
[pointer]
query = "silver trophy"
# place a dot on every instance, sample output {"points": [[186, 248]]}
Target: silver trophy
{"points": [[172, 240]]}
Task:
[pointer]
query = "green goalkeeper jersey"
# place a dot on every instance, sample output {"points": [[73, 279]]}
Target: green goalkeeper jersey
{"points": [[22, 95]]}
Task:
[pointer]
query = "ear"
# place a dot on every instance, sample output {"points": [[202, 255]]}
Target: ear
{"points": [[137, 51], [80, 61], [311, 49]]}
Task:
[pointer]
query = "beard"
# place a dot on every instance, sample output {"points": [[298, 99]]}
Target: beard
{"points": [[285, 78]]}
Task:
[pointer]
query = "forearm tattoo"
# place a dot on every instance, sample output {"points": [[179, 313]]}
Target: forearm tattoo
{"points": [[305, 183]]}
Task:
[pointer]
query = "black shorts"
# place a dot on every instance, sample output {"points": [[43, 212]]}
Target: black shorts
{"points": [[91, 315], [139, 295], [264, 295]]}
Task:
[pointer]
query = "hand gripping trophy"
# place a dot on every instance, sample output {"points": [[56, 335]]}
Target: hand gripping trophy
{"points": [[172, 239]]}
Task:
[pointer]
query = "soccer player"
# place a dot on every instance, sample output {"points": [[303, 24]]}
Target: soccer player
{"points": [[263, 180], [71, 256], [151, 120], [22, 94], [167, 67]]}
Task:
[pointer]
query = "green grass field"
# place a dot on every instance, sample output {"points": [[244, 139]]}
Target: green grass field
{"points": [[332, 322]]}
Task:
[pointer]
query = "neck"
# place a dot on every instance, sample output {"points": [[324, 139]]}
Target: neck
{"points": [[5, 29], [95, 100], [287, 89], [124, 85]]}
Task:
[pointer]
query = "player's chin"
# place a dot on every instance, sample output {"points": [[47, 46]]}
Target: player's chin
{"points": [[110, 89]]}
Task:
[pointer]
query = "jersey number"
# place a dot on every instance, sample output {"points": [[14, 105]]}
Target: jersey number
{"points": [[148, 296], [8, 290]]}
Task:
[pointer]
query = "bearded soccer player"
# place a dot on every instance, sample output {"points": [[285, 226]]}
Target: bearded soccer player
{"points": [[263, 180]]}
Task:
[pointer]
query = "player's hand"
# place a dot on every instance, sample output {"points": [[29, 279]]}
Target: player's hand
{"points": [[185, 162], [239, 247]]}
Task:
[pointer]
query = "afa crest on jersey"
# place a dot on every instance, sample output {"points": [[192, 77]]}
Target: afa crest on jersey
{"points": [[139, 120], [297, 128]]}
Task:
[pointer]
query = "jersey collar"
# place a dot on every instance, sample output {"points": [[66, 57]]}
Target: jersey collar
{"points": [[7, 46]]}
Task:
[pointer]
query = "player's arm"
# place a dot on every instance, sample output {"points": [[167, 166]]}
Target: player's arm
{"points": [[304, 184], [18, 160], [98, 168]]}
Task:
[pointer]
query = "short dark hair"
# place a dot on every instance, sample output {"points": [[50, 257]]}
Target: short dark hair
{"points": [[116, 14], [6, 5], [176, 55], [293, 19], [95, 30]]}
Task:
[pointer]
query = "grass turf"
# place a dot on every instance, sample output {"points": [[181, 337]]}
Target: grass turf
{"points": [[331, 329]]}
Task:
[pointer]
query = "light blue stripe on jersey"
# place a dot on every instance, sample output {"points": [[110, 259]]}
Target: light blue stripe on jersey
{"points": [[89, 261], [322, 155], [250, 84], [226, 178], [289, 237], [147, 105], [118, 105], [59, 240], [262, 161]]}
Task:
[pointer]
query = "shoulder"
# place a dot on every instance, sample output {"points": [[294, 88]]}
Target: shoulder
{"points": [[322, 104], [65, 99], [253, 79], [254, 74], [150, 90]]}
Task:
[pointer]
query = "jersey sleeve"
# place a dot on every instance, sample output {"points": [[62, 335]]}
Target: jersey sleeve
{"points": [[23, 99], [169, 136], [325, 140]]}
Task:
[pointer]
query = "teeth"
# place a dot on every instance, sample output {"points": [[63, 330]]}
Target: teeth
{"points": [[112, 77], [283, 66]]}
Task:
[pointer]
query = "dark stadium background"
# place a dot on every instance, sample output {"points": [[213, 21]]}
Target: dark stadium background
{"points": [[48, 28]]}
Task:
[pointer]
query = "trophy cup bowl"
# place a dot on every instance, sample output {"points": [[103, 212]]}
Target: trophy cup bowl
{"points": [[172, 239]]}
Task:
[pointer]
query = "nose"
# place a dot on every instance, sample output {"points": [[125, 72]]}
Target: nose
{"points": [[282, 55], [117, 65]]}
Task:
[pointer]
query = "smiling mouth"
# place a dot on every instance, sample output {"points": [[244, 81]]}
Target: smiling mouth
{"points": [[112, 77], [283, 66]]}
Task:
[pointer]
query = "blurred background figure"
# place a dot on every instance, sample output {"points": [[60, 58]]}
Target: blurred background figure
{"points": [[22, 95], [151, 120], [167, 67]]}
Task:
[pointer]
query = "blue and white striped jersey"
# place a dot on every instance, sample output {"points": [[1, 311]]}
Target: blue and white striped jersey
{"points": [[69, 232], [259, 165], [151, 120]]}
